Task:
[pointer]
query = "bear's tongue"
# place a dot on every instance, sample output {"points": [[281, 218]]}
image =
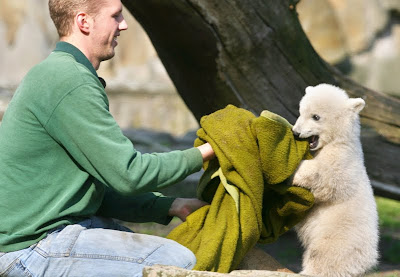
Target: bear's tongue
{"points": [[313, 142]]}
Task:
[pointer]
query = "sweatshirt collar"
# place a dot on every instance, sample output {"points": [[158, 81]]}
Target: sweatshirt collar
{"points": [[78, 55]]}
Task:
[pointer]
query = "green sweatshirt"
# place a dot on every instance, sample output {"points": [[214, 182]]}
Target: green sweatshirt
{"points": [[63, 157]]}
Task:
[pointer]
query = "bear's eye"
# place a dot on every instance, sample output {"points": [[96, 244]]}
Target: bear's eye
{"points": [[316, 117]]}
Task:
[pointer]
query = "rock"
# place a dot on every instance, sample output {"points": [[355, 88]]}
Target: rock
{"points": [[140, 91], [378, 67], [340, 28], [257, 259], [148, 141], [320, 23], [391, 5], [26, 36], [256, 263], [171, 271], [361, 37]]}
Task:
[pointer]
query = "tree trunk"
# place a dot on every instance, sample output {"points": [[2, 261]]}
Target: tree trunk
{"points": [[255, 55]]}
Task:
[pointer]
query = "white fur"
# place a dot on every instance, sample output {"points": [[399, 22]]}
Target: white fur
{"points": [[340, 233]]}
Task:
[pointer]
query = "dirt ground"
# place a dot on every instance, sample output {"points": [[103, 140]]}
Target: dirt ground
{"points": [[287, 250]]}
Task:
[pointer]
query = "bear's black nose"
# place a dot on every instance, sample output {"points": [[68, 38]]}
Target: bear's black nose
{"points": [[296, 134]]}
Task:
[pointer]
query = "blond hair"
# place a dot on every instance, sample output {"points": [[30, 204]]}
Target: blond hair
{"points": [[63, 12]]}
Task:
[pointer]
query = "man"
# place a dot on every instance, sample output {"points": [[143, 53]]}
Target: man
{"points": [[66, 168]]}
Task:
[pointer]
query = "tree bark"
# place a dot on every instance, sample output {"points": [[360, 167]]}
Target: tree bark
{"points": [[255, 55]]}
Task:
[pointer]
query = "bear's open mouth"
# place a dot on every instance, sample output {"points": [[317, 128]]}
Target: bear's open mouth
{"points": [[313, 140]]}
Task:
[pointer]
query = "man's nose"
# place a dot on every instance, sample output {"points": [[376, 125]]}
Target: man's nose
{"points": [[123, 25]]}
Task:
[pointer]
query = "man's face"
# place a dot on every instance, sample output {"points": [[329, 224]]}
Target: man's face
{"points": [[108, 24]]}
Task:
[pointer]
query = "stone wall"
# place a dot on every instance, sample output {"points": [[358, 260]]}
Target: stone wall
{"points": [[361, 36], [140, 91]]}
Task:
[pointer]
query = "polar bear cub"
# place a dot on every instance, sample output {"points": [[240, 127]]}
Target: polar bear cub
{"points": [[340, 233]]}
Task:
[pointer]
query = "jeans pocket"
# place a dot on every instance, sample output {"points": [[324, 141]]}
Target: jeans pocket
{"points": [[60, 242], [8, 261]]}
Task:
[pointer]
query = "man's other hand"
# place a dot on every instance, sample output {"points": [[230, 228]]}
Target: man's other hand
{"points": [[182, 207]]}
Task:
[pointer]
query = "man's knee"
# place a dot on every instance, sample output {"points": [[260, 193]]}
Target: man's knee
{"points": [[175, 254]]}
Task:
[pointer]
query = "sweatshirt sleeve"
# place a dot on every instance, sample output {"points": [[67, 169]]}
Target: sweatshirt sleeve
{"points": [[82, 124], [146, 207]]}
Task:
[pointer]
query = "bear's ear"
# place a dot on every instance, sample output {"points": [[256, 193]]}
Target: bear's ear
{"points": [[356, 104], [308, 89]]}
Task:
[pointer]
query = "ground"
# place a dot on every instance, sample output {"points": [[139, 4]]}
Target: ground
{"points": [[287, 249]]}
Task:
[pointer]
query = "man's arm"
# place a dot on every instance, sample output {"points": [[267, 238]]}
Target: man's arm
{"points": [[84, 127], [147, 207]]}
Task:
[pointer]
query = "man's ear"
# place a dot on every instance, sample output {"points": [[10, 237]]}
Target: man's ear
{"points": [[82, 20]]}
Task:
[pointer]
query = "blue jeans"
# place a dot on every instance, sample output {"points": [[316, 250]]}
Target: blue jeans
{"points": [[94, 247]]}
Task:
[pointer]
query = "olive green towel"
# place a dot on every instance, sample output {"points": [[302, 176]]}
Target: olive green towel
{"points": [[251, 200]]}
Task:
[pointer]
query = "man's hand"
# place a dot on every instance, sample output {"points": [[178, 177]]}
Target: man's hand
{"points": [[182, 207], [206, 151]]}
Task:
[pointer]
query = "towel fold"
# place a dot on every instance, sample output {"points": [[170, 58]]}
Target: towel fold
{"points": [[248, 186]]}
